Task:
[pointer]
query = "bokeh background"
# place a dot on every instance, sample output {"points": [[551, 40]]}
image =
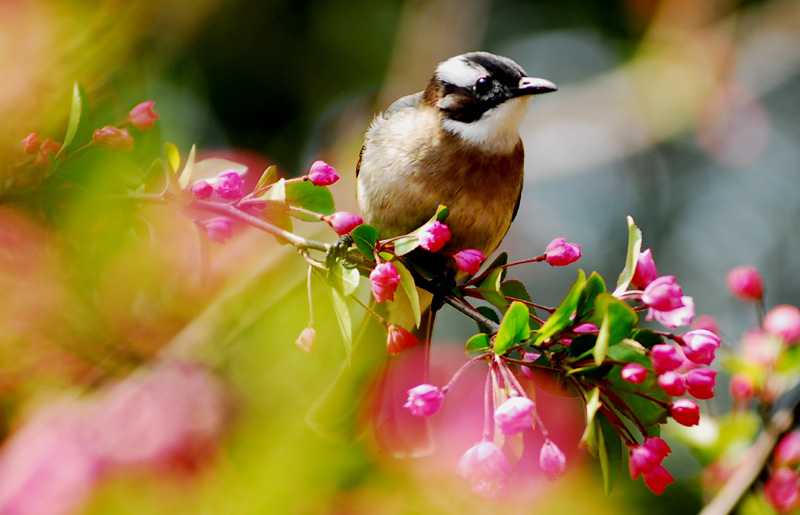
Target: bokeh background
{"points": [[684, 114]]}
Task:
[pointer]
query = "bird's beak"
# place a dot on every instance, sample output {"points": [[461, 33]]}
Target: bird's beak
{"points": [[533, 86]]}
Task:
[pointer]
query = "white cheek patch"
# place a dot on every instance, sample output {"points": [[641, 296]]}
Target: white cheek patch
{"points": [[497, 131], [458, 72]]}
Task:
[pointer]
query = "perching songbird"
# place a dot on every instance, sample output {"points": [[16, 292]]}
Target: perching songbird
{"points": [[456, 143]]}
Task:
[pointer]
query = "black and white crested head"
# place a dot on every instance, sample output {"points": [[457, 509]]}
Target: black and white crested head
{"points": [[483, 98]]}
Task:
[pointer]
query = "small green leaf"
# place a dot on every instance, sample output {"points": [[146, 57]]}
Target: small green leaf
{"points": [[589, 438], [345, 279], [76, 111], [609, 447], [562, 317], [188, 169], [634, 248], [603, 337], [365, 237], [442, 212], [276, 215], [317, 199], [618, 320], [513, 329], [276, 195], [477, 345], [269, 176], [343, 318], [594, 287], [407, 282], [516, 290], [173, 156], [403, 246], [491, 289]]}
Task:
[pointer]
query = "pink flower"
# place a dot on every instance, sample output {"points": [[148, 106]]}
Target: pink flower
{"points": [[787, 452], [469, 260], [514, 415], [424, 400], [741, 386], [782, 489], [634, 373], [142, 116], [646, 271], [561, 253], [487, 468], [113, 139], [384, 279], [528, 357], [399, 339], [202, 190], [685, 412], [47, 148], [700, 346], [759, 347], [433, 235], [784, 321], [31, 143], [552, 460], [229, 185], [658, 479], [307, 340], [701, 382], [642, 460], [658, 446], [663, 294], [665, 358], [745, 282], [343, 222], [674, 318], [322, 174], [217, 229], [672, 383]]}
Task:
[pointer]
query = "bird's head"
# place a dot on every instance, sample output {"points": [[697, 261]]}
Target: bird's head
{"points": [[483, 98]]}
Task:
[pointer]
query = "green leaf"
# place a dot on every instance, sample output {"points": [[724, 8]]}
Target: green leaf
{"points": [[173, 156], [594, 287], [317, 199], [407, 282], [345, 279], [609, 447], [513, 329], [562, 317], [276, 195], [442, 212], [603, 338], [343, 318], [634, 248], [276, 215], [76, 112], [188, 169], [618, 320], [477, 345], [589, 438], [365, 237], [489, 313], [403, 246], [516, 290], [269, 176], [491, 289]]}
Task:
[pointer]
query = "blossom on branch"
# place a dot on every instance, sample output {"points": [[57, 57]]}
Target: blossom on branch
{"points": [[424, 400], [433, 235], [217, 229], [399, 339], [322, 174], [784, 321], [634, 373], [646, 271], [514, 415], [142, 116], [113, 139], [229, 185], [487, 468], [31, 143], [202, 190], [685, 412], [560, 253], [384, 279], [343, 222], [552, 460], [469, 260], [745, 282], [700, 346]]}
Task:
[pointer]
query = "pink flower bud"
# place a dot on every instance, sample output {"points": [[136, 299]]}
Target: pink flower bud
{"points": [[665, 358], [528, 357], [700, 346], [658, 479], [642, 460], [384, 279], [31, 143], [663, 294], [514, 415], [646, 271], [399, 339], [343, 222], [672, 383], [674, 318], [745, 282], [552, 460], [202, 190], [561, 253], [322, 174], [307, 340], [424, 400], [685, 412], [701, 382], [759, 347], [113, 139], [787, 452], [784, 321], [142, 116], [229, 185], [433, 235], [634, 373], [469, 260], [742, 387], [782, 489], [217, 229], [658, 446], [46, 149], [487, 468]]}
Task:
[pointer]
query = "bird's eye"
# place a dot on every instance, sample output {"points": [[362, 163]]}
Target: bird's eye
{"points": [[483, 85]]}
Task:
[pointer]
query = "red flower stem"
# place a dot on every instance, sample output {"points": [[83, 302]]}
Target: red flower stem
{"points": [[488, 420], [461, 371]]}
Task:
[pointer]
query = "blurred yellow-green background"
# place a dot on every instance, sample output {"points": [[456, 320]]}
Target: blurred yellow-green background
{"points": [[684, 114]]}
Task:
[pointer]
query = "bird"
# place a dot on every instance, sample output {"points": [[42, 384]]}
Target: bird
{"points": [[456, 143]]}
